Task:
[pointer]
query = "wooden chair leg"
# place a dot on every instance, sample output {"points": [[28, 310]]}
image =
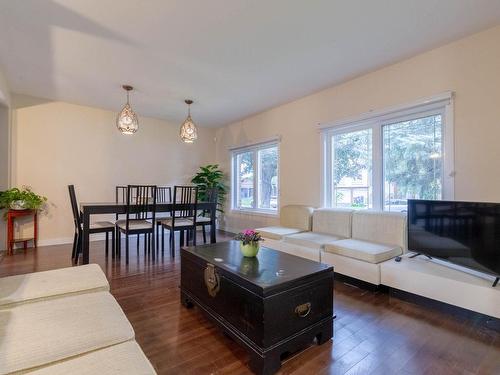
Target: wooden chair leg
{"points": [[126, 247], [73, 252], [113, 244], [153, 240], [107, 244], [172, 243], [162, 240], [78, 247], [204, 233], [138, 238], [157, 236], [194, 235]]}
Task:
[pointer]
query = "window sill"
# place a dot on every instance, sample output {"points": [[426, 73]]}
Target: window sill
{"points": [[255, 212]]}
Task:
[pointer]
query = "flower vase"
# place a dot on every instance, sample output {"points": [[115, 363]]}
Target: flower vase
{"points": [[250, 250]]}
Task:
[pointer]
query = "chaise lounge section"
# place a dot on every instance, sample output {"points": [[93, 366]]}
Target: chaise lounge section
{"points": [[65, 321]]}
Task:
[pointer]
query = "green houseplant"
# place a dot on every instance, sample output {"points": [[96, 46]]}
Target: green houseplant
{"points": [[22, 199], [210, 176]]}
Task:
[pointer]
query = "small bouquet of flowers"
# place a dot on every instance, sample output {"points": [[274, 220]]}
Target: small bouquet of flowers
{"points": [[249, 242], [249, 236]]}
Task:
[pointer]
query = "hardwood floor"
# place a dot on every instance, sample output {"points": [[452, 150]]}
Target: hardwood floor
{"points": [[374, 333]]}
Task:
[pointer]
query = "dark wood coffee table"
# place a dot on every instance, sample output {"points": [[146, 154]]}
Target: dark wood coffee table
{"points": [[273, 305]]}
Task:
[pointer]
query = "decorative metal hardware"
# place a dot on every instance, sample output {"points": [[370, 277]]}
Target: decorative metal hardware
{"points": [[212, 280], [303, 310]]}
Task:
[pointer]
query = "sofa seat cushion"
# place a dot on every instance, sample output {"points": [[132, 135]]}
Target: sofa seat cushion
{"points": [[36, 334], [38, 286], [363, 250], [122, 359], [277, 233], [311, 239]]}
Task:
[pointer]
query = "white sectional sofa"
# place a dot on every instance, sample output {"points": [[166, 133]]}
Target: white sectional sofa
{"points": [[355, 242], [65, 321]]}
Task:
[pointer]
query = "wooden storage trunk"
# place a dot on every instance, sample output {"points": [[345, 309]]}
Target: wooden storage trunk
{"points": [[274, 304]]}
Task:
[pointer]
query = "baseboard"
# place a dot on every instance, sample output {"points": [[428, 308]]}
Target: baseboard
{"points": [[62, 240]]}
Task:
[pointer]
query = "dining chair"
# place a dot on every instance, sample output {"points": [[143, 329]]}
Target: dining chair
{"points": [[182, 216], [140, 216], [106, 227], [206, 218], [163, 195], [120, 196]]}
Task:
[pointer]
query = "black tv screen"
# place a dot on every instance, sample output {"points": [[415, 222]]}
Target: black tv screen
{"points": [[464, 233]]}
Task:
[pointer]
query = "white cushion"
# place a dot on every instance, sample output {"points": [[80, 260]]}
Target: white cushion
{"points": [[36, 334], [277, 233], [335, 221], [296, 216], [179, 222], [37, 286], [134, 224], [362, 250], [311, 239], [380, 227], [202, 220], [122, 359]]}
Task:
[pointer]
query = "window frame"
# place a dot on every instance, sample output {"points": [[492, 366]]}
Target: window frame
{"points": [[440, 105], [254, 148]]}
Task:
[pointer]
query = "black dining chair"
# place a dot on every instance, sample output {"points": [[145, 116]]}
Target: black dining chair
{"points": [[163, 195], [182, 217], [206, 218], [140, 216], [120, 196], [106, 227]]}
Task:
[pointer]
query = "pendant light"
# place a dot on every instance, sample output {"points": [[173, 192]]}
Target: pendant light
{"points": [[127, 122], [188, 131]]}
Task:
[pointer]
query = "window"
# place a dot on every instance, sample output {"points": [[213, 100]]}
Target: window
{"points": [[381, 161], [255, 178]]}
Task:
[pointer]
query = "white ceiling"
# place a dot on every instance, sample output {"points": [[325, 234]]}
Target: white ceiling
{"points": [[233, 57]]}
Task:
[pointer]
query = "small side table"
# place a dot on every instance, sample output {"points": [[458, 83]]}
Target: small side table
{"points": [[11, 215]]}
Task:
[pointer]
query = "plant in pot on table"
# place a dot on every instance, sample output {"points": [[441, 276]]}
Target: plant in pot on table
{"points": [[249, 242], [22, 199]]}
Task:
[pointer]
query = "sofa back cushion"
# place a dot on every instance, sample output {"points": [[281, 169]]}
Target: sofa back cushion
{"points": [[296, 216], [381, 227], [334, 221]]}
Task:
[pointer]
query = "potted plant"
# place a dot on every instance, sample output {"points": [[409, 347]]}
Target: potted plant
{"points": [[21, 199], [249, 242], [209, 177]]}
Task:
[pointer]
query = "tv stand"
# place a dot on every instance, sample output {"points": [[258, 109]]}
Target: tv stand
{"points": [[417, 254], [496, 282]]}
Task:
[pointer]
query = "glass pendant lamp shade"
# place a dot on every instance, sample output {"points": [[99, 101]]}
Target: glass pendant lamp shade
{"points": [[188, 132], [127, 121]]}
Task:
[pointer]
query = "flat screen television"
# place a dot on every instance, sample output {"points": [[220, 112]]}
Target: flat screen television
{"points": [[463, 233]]}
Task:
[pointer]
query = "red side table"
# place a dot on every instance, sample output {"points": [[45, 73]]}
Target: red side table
{"points": [[11, 215]]}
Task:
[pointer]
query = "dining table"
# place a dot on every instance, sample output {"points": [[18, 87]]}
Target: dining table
{"points": [[102, 208]]}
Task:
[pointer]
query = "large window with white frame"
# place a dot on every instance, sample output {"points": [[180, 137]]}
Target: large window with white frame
{"points": [[255, 181], [379, 162]]}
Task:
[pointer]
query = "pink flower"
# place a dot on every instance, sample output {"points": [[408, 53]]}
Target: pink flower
{"points": [[248, 232]]}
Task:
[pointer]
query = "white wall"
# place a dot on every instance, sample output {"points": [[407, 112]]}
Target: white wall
{"points": [[470, 67], [56, 144], [4, 149]]}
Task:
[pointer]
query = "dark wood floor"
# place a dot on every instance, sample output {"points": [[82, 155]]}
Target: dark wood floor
{"points": [[374, 333]]}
